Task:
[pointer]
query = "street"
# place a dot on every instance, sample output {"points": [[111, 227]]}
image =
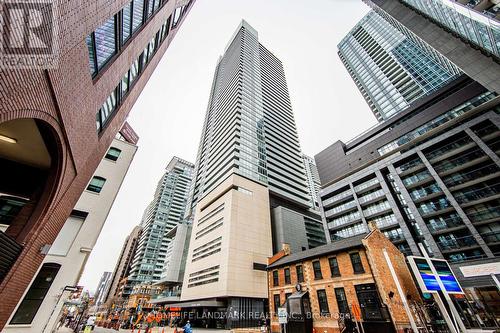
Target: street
{"points": [[155, 330]]}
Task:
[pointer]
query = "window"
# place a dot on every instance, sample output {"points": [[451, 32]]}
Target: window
{"points": [[113, 153], [126, 22], [300, 273], [334, 267], [357, 265], [341, 300], [36, 294], [153, 5], [276, 303], [287, 276], [322, 302], [317, 270], [138, 14], [96, 184], [177, 16], [106, 111], [275, 279], [102, 45]]}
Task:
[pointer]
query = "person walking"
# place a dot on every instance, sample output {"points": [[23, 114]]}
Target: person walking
{"points": [[187, 328]]}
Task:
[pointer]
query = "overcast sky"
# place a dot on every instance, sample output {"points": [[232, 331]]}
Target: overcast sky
{"points": [[168, 115]]}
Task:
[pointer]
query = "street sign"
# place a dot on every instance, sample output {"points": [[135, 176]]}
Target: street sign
{"points": [[356, 311], [71, 288], [282, 316]]}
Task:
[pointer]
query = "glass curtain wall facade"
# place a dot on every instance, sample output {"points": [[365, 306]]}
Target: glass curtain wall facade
{"points": [[390, 66], [249, 127], [164, 213], [478, 27]]}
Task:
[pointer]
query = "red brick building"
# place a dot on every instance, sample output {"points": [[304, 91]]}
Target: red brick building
{"points": [[56, 124], [336, 277]]}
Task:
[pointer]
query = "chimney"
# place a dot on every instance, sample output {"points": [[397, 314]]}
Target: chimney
{"points": [[372, 226], [286, 248]]}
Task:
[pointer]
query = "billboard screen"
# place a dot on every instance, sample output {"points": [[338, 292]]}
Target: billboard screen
{"points": [[446, 276], [427, 280]]}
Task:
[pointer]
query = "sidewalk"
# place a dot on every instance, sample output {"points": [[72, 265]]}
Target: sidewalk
{"points": [[154, 330]]}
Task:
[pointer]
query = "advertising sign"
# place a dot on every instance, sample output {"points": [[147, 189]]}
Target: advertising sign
{"points": [[481, 269], [427, 280]]}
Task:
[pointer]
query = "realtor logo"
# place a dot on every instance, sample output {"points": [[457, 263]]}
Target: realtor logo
{"points": [[28, 34]]}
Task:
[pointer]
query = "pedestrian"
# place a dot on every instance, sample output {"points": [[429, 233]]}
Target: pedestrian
{"points": [[187, 328]]}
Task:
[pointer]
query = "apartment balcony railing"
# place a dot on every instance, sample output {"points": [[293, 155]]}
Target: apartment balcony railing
{"points": [[477, 194], [344, 220], [366, 184], [337, 197], [385, 221], [460, 178], [340, 208], [395, 238], [456, 243], [491, 237], [445, 224], [374, 195], [484, 215]]}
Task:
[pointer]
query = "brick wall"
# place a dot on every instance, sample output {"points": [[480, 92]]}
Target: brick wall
{"points": [[376, 243], [347, 280], [376, 271], [67, 99]]}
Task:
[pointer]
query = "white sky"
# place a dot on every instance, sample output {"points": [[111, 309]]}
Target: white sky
{"points": [[168, 115]]}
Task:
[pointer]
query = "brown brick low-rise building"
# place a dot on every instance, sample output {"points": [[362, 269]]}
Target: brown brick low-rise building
{"points": [[337, 279], [57, 123]]}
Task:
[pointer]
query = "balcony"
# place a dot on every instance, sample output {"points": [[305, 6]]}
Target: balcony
{"points": [[366, 185], [488, 171], [454, 244], [166, 296], [491, 238], [436, 227], [345, 220], [450, 149], [337, 198], [385, 221], [434, 206], [341, 209], [395, 238], [377, 209], [421, 193], [417, 179], [371, 197], [486, 215]]}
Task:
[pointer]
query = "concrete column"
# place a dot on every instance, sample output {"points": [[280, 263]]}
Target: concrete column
{"points": [[455, 205], [483, 146], [398, 214], [418, 218]]}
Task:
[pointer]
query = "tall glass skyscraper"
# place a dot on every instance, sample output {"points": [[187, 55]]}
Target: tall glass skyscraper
{"points": [[474, 21], [249, 126], [162, 215], [250, 189], [391, 66]]}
